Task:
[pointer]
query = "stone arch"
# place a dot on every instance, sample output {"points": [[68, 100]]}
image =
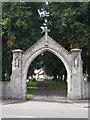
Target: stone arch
{"points": [[52, 47], [65, 62], [37, 53], [66, 57]]}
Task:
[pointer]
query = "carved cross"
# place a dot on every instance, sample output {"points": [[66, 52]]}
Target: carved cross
{"points": [[46, 30]]}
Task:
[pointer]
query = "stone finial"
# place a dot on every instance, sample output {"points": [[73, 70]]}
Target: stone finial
{"points": [[17, 51], [76, 50]]}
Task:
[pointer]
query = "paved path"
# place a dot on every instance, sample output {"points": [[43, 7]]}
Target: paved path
{"points": [[80, 103], [9, 101], [44, 109]]}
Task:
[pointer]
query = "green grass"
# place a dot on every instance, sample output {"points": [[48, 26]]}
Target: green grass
{"points": [[52, 84], [32, 84], [30, 96], [32, 87], [57, 85]]}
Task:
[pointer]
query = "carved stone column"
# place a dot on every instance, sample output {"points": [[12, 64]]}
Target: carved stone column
{"points": [[77, 74], [17, 74]]}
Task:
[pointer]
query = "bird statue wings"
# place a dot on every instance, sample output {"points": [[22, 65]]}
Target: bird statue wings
{"points": [[43, 13]]}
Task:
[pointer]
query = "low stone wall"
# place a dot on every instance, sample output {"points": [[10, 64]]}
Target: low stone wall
{"points": [[0, 89], [6, 89], [86, 89], [5, 86]]}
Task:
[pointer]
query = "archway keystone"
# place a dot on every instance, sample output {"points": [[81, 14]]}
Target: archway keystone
{"points": [[72, 62]]}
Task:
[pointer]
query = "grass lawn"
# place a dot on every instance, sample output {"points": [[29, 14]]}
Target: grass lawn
{"points": [[32, 87], [30, 96], [51, 84], [32, 84], [57, 85]]}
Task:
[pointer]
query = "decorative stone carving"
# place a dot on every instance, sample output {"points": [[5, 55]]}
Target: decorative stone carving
{"points": [[76, 62], [17, 62]]}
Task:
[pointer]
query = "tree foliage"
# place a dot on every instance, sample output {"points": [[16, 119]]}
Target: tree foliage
{"points": [[68, 23]]}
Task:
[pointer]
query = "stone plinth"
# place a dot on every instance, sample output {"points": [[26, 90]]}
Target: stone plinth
{"points": [[77, 75], [17, 74]]}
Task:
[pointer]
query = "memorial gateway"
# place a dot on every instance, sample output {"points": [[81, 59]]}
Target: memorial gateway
{"points": [[71, 60]]}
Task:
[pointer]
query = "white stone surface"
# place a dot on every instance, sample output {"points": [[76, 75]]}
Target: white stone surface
{"points": [[5, 89]]}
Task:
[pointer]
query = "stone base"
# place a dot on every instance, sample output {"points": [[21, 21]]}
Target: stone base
{"points": [[16, 97], [24, 97], [75, 97]]}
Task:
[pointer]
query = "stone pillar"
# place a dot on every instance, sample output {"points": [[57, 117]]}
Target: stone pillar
{"points": [[77, 74], [17, 74]]}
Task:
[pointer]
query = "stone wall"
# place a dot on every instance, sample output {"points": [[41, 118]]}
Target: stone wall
{"points": [[0, 89], [86, 89], [6, 89]]}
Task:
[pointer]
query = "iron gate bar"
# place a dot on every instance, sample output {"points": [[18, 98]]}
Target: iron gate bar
{"points": [[46, 88]]}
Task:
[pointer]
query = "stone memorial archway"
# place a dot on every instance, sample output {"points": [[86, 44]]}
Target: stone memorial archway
{"points": [[71, 60]]}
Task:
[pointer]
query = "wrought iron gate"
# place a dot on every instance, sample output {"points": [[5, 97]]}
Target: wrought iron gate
{"points": [[46, 88]]}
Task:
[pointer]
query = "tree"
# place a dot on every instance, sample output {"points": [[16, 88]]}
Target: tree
{"points": [[21, 28]]}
